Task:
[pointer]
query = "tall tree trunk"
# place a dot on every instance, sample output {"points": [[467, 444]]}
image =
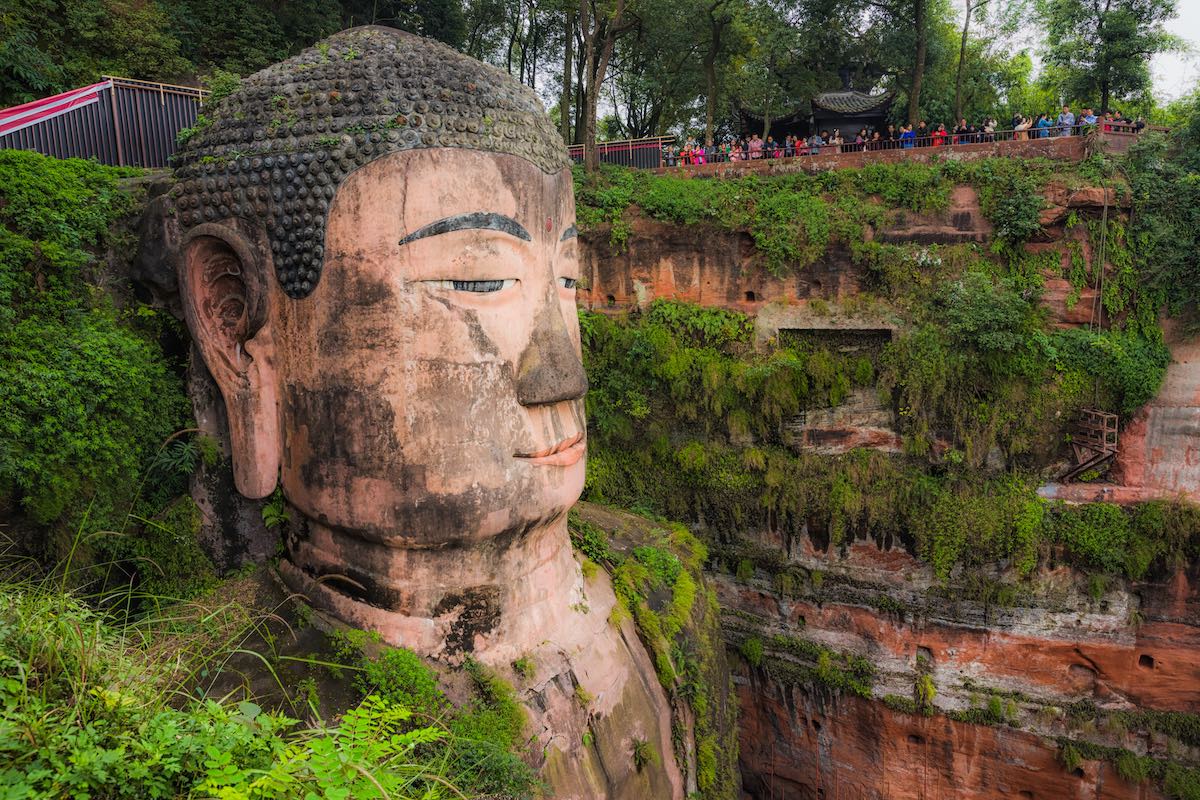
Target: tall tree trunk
{"points": [[918, 76], [716, 28], [766, 119], [590, 89], [525, 41], [512, 40], [564, 103], [962, 60], [596, 56], [710, 103]]}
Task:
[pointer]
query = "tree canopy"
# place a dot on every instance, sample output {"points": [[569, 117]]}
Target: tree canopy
{"points": [[633, 68]]}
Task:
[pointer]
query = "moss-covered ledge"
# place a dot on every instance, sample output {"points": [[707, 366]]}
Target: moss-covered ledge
{"points": [[656, 569]]}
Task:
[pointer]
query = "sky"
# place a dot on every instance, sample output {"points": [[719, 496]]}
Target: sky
{"points": [[1175, 74]]}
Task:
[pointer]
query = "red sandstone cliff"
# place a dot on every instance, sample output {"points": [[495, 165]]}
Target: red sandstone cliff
{"points": [[1062, 661], [1060, 665]]}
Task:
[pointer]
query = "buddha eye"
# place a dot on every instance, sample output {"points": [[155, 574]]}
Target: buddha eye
{"points": [[477, 287], [567, 283]]}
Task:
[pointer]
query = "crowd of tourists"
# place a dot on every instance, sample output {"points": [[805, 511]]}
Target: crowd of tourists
{"points": [[1066, 123]]}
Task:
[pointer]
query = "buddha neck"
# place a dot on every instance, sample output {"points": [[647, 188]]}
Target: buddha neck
{"points": [[493, 598]]}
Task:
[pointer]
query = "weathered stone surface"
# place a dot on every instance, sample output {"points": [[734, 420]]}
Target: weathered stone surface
{"points": [[703, 708], [1133, 648], [1160, 446], [421, 409], [715, 267], [278, 148], [804, 746]]}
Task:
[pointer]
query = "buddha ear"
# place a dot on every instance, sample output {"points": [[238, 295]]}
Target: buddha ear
{"points": [[226, 297]]}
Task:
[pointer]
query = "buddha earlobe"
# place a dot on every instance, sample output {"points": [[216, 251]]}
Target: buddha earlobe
{"points": [[225, 300]]}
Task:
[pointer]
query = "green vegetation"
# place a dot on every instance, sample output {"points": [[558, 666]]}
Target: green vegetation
{"points": [[96, 705], [904, 705], [1176, 781], [752, 650], [656, 570], [794, 219], [644, 754], [924, 693], [49, 46], [975, 374], [90, 405], [971, 373], [1162, 173], [524, 667]]}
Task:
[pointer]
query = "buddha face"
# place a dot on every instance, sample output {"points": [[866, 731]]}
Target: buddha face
{"points": [[430, 390]]}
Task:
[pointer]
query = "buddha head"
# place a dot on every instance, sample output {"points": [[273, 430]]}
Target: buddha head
{"points": [[378, 265]]}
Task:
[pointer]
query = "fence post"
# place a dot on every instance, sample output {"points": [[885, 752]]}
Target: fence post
{"points": [[112, 96]]}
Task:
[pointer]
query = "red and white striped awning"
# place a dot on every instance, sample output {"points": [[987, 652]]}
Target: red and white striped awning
{"points": [[22, 116]]}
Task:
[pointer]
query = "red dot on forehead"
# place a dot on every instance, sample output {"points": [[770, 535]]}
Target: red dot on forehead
{"points": [[549, 224]]}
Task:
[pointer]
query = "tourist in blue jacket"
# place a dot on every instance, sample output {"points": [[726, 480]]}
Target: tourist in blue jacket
{"points": [[1043, 125]]}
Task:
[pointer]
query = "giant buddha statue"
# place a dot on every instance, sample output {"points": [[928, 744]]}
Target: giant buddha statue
{"points": [[377, 261]]}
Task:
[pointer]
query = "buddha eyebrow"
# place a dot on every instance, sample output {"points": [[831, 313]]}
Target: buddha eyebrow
{"points": [[475, 220], [570, 233]]}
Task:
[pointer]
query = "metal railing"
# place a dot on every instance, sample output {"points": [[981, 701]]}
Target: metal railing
{"points": [[647, 153], [723, 154], [134, 123]]}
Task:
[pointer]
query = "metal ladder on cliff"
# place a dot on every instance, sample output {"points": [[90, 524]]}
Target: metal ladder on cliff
{"points": [[1093, 442]]}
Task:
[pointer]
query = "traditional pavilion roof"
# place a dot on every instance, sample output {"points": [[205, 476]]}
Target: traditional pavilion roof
{"points": [[850, 101]]}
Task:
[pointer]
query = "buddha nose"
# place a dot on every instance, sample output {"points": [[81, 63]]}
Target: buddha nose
{"points": [[549, 370]]}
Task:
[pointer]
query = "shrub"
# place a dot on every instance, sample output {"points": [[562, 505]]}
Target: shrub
{"points": [[644, 754], [87, 396], [524, 667], [752, 650], [401, 678], [664, 565], [1096, 533], [95, 708], [924, 693]]}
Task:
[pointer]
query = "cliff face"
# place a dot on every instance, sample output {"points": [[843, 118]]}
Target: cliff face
{"points": [[860, 672], [1009, 681], [1161, 445], [799, 745], [1159, 455]]}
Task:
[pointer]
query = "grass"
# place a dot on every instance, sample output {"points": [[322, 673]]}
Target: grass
{"points": [[98, 701]]}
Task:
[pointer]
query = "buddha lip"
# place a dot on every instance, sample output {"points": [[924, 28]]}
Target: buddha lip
{"points": [[563, 454]]}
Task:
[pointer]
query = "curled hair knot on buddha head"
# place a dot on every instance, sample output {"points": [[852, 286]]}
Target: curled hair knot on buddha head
{"points": [[276, 150]]}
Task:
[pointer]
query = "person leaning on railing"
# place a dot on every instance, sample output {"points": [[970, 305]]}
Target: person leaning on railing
{"points": [[907, 137], [1065, 121]]}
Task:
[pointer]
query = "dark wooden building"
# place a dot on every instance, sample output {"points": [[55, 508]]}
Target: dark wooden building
{"points": [[847, 109], [850, 110]]}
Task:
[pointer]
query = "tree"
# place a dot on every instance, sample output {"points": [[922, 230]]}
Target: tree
{"points": [[1166, 194], [718, 16], [921, 31], [601, 23], [764, 77], [246, 35], [1103, 47], [49, 46], [999, 19], [654, 81], [564, 103], [438, 19]]}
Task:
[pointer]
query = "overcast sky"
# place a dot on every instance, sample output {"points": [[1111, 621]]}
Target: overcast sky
{"points": [[1176, 74]]}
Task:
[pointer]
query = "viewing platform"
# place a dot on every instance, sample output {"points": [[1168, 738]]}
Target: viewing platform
{"points": [[649, 153]]}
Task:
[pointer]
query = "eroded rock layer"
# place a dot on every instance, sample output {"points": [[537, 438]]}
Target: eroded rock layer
{"points": [[861, 672]]}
